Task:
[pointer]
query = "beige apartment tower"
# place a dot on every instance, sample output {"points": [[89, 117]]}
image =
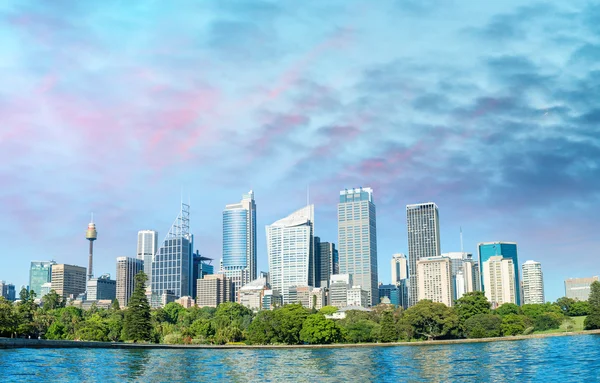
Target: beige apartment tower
{"points": [[434, 275], [399, 268], [213, 290], [533, 283], [499, 280], [68, 281], [127, 269]]}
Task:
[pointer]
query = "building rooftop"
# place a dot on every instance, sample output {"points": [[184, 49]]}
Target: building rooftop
{"points": [[257, 284]]}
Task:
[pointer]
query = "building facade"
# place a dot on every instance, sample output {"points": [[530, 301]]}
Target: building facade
{"points": [[101, 288], [357, 239], [7, 291], [339, 285], [423, 226], [505, 250], [290, 250], [127, 269], [533, 283], [68, 281], [357, 296], [326, 262], [40, 272], [434, 276], [499, 278], [271, 300], [579, 288], [213, 290], [399, 268], [392, 292], [147, 245], [239, 241], [251, 294]]}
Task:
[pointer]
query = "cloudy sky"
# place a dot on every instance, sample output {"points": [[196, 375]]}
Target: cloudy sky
{"points": [[489, 109]]}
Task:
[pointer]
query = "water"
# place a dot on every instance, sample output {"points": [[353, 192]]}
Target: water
{"points": [[559, 359]]}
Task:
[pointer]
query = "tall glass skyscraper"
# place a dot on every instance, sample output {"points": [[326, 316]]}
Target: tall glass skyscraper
{"points": [[423, 224], [173, 264], [40, 272], [239, 242], [146, 248], [290, 249], [357, 239], [506, 250]]}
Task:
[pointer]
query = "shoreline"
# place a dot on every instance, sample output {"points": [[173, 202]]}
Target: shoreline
{"points": [[12, 343]]}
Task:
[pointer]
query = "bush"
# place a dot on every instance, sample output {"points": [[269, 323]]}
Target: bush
{"points": [[548, 321], [528, 330], [173, 338], [483, 326], [513, 324]]}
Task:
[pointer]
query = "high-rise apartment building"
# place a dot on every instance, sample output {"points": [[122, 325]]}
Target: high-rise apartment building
{"points": [[326, 258], [290, 250], [68, 281], [239, 241], [357, 239], [423, 225], [101, 288], [40, 272], [579, 288], [505, 250], [533, 283], [499, 281], [127, 269], [172, 268], [399, 268], [434, 276], [213, 290], [147, 245]]}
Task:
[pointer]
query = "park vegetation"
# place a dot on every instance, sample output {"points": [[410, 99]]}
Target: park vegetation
{"points": [[292, 324]]}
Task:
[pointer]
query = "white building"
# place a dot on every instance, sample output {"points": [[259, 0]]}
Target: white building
{"points": [[147, 245], [533, 283], [356, 296], [251, 294], [290, 249], [499, 279], [579, 288], [339, 284], [399, 268], [434, 275]]}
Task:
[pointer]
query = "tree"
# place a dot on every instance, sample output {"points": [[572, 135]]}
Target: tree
{"points": [[389, 328], [232, 314], [26, 309], [288, 323], [565, 304], [137, 325], [52, 301], [262, 329], [361, 331], [579, 308], [94, 329], [317, 329], [328, 310], [173, 311], [471, 304], [513, 324], [594, 298], [202, 328], [592, 321], [483, 326], [430, 320], [115, 305], [8, 318], [507, 309], [548, 321]]}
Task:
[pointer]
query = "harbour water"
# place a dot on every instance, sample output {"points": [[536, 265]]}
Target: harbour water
{"points": [[556, 359]]}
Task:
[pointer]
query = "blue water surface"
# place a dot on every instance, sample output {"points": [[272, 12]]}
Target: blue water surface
{"points": [[557, 359]]}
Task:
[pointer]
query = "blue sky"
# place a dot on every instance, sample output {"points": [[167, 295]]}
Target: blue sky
{"points": [[488, 109]]}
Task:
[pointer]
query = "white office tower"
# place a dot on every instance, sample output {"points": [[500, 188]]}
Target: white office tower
{"points": [[499, 281], [533, 283], [290, 249], [435, 280], [399, 268], [147, 245]]}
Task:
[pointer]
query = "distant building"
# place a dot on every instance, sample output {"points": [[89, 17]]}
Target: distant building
{"points": [[186, 302], [357, 239], [251, 294], [462, 273], [271, 300], [434, 275], [533, 283], [68, 280], [338, 290], [45, 289], [300, 294], [127, 269], [101, 288], [318, 298], [506, 250], [326, 261], [213, 290], [40, 272], [88, 304], [357, 296], [341, 313], [391, 292], [423, 226], [147, 245], [7, 291], [399, 268], [201, 267], [499, 281], [579, 288]]}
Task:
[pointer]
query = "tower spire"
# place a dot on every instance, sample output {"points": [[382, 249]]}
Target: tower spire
{"points": [[462, 250]]}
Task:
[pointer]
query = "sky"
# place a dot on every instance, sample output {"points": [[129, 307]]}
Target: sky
{"points": [[488, 109]]}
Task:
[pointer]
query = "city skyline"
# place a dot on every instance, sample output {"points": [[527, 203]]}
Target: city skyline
{"points": [[485, 108]]}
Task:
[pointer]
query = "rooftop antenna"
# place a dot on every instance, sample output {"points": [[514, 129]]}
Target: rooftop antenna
{"points": [[462, 250]]}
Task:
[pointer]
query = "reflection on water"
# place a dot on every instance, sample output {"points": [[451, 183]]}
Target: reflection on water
{"points": [[565, 359]]}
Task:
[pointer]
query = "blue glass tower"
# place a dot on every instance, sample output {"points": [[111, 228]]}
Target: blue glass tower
{"points": [[506, 250]]}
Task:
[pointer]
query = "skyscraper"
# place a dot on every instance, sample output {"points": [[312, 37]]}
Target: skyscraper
{"points": [[499, 281], [68, 280], [423, 224], [506, 250], [172, 268], [326, 259], [461, 260], [239, 241], [127, 269], [434, 276], [202, 267], [533, 283], [357, 239], [399, 268], [147, 245], [579, 288], [213, 290], [7, 291], [290, 247], [40, 272]]}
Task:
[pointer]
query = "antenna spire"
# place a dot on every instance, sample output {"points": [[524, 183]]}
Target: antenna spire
{"points": [[462, 250]]}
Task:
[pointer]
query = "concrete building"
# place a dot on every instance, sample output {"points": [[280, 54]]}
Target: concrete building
{"points": [[7, 291], [40, 272], [423, 226], [391, 292], [399, 268], [213, 290], [434, 275], [147, 245], [290, 250], [505, 250], [101, 288], [201, 266], [45, 289], [318, 298], [462, 273], [68, 280], [339, 285], [127, 269], [300, 294], [186, 302], [579, 288], [326, 262], [357, 296], [357, 239], [499, 281], [271, 300], [239, 242], [251, 294], [533, 283]]}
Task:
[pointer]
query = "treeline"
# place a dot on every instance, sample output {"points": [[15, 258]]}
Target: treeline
{"points": [[471, 317]]}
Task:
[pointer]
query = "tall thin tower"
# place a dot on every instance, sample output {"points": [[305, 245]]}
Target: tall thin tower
{"points": [[91, 234]]}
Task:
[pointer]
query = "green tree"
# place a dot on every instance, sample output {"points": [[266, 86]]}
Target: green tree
{"points": [[26, 309], [232, 314], [94, 329], [594, 298], [52, 301], [262, 329], [580, 308], [8, 318], [430, 320], [389, 328], [173, 311], [507, 309], [565, 304], [202, 328], [592, 321], [115, 305], [483, 326], [471, 304], [328, 310], [289, 320], [361, 331], [513, 324], [548, 321], [137, 325], [115, 325], [316, 329]]}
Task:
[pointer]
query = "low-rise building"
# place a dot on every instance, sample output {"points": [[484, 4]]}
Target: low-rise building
{"points": [[251, 295], [271, 300], [186, 301], [101, 288], [358, 297]]}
